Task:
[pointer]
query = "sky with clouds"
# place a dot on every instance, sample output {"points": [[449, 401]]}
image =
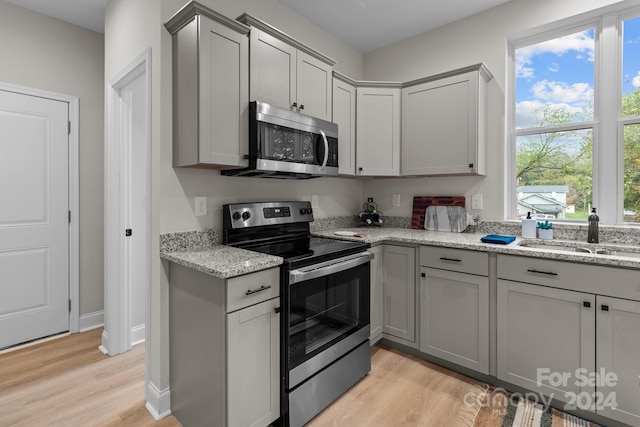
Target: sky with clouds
{"points": [[560, 72]]}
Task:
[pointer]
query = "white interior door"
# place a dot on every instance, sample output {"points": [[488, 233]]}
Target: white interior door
{"points": [[135, 193], [34, 219]]}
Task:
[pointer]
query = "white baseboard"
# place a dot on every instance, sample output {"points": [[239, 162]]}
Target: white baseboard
{"points": [[158, 402], [137, 334], [91, 321], [105, 342]]}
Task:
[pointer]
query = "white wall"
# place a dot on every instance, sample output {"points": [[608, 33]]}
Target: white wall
{"points": [[48, 54], [480, 38], [131, 26]]}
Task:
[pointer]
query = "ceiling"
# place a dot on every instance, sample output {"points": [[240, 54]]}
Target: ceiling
{"points": [[365, 25], [85, 13]]}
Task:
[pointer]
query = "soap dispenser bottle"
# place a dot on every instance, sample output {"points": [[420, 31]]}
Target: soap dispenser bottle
{"points": [[592, 233], [529, 227]]}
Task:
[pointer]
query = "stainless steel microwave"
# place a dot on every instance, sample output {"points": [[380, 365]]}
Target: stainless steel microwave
{"points": [[288, 144]]}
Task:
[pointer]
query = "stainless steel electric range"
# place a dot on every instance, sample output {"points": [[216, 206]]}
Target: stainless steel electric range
{"points": [[324, 292]]}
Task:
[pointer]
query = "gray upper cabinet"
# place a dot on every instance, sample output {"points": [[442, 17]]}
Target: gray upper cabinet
{"points": [[210, 88], [444, 123], [378, 131], [344, 115], [287, 73]]}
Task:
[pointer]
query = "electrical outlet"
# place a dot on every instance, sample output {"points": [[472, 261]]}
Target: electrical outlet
{"points": [[395, 200], [314, 201], [201, 206], [476, 201]]}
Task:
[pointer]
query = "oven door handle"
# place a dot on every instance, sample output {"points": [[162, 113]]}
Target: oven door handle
{"points": [[330, 267]]}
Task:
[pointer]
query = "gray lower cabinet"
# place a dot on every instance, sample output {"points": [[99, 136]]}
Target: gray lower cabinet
{"points": [[454, 317], [454, 306], [376, 295], [224, 344], [618, 356], [399, 290], [545, 335], [571, 330]]}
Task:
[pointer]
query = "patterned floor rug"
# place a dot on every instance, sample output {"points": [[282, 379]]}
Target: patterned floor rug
{"points": [[494, 407]]}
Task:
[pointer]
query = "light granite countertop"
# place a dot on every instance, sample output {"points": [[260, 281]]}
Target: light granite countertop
{"points": [[471, 241], [200, 249], [223, 261]]}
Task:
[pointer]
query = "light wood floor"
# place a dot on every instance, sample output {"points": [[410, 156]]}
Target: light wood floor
{"points": [[69, 382]]}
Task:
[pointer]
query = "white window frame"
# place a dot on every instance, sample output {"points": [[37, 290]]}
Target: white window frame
{"points": [[607, 124]]}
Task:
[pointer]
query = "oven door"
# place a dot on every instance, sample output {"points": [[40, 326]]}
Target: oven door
{"points": [[327, 314]]}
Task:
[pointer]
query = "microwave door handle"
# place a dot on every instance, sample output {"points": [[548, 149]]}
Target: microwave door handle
{"points": [[326, 148]]}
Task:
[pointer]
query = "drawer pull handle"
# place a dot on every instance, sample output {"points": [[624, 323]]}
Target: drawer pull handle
{"points": [[255, 291], [586, 304], [548, 273], [605, 307], [450, 259]]}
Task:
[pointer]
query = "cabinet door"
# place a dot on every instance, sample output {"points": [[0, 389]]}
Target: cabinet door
{"points": [[378, 131], [224, 94], [273, 70], [454, 317], [314, 86], [399, 292], [376, 295], [618, 356], [253, 365], [544, 336], [344, 114], [440, 127]]}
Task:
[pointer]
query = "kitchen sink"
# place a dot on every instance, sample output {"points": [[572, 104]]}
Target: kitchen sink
{"points": [[579, 247]]}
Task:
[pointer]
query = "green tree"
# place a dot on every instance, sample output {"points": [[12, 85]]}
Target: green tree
{"points": [[557, 158], [631, 108]]}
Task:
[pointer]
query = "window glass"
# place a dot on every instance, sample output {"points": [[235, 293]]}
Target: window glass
{"points": [[632, 173], [631, 68], [554, 174], [555, 88], [554, 81]]}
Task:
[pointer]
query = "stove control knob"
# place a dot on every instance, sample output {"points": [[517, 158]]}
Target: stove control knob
{"points": [[303, 211], [236, 216], [246, 215], [309, 211]]}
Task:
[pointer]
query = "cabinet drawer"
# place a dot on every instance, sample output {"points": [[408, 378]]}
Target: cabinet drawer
{"points": [[595, 279], [461, 260], [243, 291]]}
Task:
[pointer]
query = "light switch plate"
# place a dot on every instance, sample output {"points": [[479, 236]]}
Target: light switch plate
{"points": [[201, 206], [476, 201], [395, 200]]}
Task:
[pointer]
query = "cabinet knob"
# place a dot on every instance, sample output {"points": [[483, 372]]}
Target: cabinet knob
{"points": [[277, 310], [360, 169], [423, 275], [294, 105], [586, 304], [471, 165], [301, 107], [605, 307]]}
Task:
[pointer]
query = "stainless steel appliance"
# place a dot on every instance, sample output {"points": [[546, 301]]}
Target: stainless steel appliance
{"points": [[288, 144], [324, 298]]}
